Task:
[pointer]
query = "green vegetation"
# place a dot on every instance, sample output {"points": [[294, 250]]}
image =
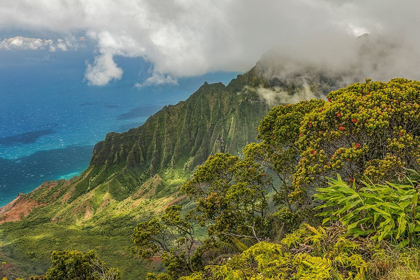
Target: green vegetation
{"points": [[250, 208], [366, 130], [388, 211], [272, 212], [69, 265]]}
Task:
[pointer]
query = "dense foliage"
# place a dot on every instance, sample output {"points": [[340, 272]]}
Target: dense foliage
{"points": [[173, 237], [231, 197], [76, 265], [369, 130], [381, 211], [366, 132]]}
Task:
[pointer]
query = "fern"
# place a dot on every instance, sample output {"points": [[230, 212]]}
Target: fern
{"points": [[380, 211]]}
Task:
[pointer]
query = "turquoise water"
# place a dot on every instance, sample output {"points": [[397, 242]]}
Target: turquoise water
{"points": [[50, 118]]}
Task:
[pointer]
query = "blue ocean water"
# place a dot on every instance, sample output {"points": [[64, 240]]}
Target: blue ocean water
{"points": [[50, 118]]}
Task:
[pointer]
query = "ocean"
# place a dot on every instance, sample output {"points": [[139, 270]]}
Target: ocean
{"points": [[50, 118]]}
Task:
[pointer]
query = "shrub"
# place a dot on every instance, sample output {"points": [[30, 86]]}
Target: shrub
{"points": [[307, 253], [367, 129]]}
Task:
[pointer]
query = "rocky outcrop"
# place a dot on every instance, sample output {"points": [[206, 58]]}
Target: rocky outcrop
{"points": [[19, 208]]}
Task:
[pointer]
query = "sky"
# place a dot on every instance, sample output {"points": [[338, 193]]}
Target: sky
{"points": [[184, 38]]}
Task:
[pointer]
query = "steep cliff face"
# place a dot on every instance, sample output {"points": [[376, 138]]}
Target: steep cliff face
{"points": [[178, 138]]}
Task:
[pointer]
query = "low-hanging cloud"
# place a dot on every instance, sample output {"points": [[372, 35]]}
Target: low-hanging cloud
{"points": [[186, 37], [277, 95]]}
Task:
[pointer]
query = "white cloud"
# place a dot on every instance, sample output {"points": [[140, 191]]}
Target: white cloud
{"points": [[188, 37], [278, 95], [103, 70], [157, 79], [24, 43]]}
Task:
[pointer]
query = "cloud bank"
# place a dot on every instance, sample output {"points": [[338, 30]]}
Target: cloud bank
{"points": [[184, 38], [24, 43]]}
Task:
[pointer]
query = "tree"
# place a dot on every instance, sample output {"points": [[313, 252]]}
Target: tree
{"points": [[171, 238], [231, 202], [278, 150], [368, 129], [76, 265], [231, 197]]}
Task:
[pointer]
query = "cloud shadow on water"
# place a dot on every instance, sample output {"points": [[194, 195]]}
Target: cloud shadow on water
{"points": [[25, 138], [125, 127], [139, 112]]}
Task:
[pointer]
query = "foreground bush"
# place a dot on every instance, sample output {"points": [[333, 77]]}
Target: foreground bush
{"points": [[379, 211], [366, 129], [307, 253]]}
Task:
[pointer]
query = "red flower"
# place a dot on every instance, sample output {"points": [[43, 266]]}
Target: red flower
{"points": [[341, 128], [310, 125], [338, 115], [300, 134], [357, 145], [400, 133], [313, 152], [354, 120], [329, 99], [332, 156]]}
